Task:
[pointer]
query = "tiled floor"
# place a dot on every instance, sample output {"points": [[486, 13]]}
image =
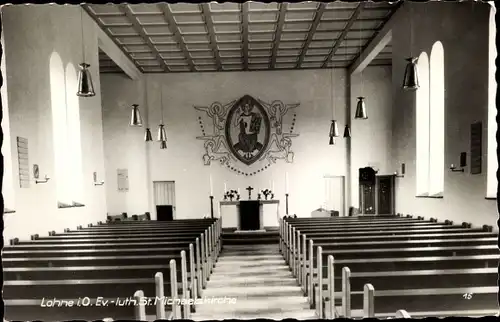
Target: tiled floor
{"points": [[252, 281]]}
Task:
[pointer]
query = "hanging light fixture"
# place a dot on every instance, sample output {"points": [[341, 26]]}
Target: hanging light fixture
{"points": [[85, 85], [361, 106], [361, 109], [410, 81], [347, 131], [162, 133], [334, 132], [147, 134], [135, 118], [334, 129]]}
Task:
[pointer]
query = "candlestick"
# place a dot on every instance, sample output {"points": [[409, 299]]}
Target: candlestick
{"points": [[212, 206], [286, 204], [211, 186]]}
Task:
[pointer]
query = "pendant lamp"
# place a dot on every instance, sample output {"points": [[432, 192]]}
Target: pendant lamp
{"points": [[85, 85], [361, 109], [135, 118], [162, 133], [347, 131], [361, 106], [147, 134], [410, 81], [334, 129], [334, 132]]}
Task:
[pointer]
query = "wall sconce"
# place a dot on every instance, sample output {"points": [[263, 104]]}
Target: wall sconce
{"points": [[403, 170], [36, 175], [95, 180], [463, 163]]}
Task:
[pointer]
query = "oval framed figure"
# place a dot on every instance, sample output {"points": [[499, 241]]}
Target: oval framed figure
{"points": [[247, 130]]}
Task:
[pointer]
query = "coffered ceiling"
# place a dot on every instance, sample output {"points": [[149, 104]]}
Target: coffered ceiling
{"points": [[162, 38]]}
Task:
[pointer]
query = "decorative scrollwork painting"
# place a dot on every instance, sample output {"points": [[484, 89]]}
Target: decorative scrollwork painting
{"points": [[247, 135]]}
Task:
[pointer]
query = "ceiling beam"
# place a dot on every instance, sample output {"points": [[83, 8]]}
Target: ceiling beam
{"points": [[207, 17], [244, 22], [377, 43], [277, 36], [317, 18], [174, 29], [114, 49], [344, 33], [138, 28]]}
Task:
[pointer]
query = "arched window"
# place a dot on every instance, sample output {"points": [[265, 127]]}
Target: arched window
{"points": [[437, 126], [8, 189], [422, 116], [59, 126], [492, 161], [74, 147]]}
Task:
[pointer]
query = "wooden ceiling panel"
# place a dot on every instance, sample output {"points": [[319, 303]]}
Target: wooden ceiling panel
{"points": [[213, 36]]}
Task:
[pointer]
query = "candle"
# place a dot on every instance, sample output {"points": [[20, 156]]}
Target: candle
{"points": [[286, 182], [211, 186], [238, 190], [225, 187], [272, 189]]}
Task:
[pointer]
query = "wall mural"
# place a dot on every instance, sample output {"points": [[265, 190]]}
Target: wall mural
{"points": [[247, 135]]}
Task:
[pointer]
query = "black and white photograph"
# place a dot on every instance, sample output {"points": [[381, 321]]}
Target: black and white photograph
{"points": [[208, 161]]}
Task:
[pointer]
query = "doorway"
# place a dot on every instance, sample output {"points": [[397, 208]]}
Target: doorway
{"points": [[385, 195], [164, 198]]}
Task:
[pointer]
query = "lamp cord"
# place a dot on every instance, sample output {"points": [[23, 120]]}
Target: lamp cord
{"points": [[146, 107], [83, 40], [161, 101], [331, 92]]}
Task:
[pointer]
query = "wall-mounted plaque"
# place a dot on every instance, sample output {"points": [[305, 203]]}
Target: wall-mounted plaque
{"points": [[476, 141], [122, 180], [23, 161]]}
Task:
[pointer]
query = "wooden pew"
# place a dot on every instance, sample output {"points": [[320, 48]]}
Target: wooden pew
{"points": [[433, 302], [365, 244], [213, 245]]}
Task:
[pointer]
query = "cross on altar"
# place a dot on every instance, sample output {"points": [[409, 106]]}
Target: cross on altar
{"points": [[249, 192]]}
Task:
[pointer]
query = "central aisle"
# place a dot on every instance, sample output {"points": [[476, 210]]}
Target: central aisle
{"points": [[260, 281]]}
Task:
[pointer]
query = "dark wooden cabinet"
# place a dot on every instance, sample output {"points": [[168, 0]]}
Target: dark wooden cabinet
{"points": [[378, 198]]}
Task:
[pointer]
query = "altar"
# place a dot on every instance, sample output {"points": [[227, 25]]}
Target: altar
{"points": [[247, 215]]}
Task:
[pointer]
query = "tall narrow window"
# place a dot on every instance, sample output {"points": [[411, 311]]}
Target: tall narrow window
{"points": [[422, 133], [492, 161], [437, 126], [8, 190], [74, 145], [59, 126]]}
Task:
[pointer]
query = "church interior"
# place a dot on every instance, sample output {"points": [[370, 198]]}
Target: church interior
{"points": [[307, 160]]}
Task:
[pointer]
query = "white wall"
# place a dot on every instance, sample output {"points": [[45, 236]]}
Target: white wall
{"points": [[371, 138], [182, 161], [463, 30], [124, 146], [32, 33]]}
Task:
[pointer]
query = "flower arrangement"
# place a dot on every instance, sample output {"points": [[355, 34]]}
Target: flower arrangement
{"points": [[231, 194], [267, 193]]}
